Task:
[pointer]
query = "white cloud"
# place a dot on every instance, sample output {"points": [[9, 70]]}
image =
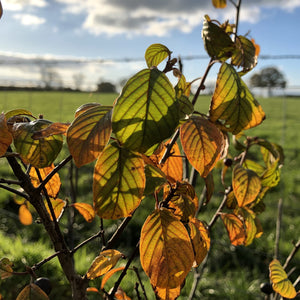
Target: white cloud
{"points": [[29, 19], [159, 18], [17, 5]]}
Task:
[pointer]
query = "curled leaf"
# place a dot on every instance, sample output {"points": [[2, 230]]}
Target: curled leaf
{"points": [[155, 54]]}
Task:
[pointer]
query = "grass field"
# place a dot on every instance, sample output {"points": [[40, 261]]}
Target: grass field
{"points": [[232, 272]]}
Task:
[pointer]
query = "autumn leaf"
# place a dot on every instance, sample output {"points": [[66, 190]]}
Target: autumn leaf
{"points": [[32, 291], [246, 185], [119, 182], [167, 293], [155, 178], [233, 103], [5, 135], [103, 263], [89, 133], [146, 113], [280, 282], [5, 268], [58, 206], [86, 210], [219, 3], [25, 215], [166, 252], [108, 275], [235, 229], [52, 129], [52, 186], [80, 110], [202, 143], [155, 54]]}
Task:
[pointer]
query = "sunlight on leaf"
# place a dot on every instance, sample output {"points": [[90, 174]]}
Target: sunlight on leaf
{"points": [[166, 251], [167, 293], [246, 185], [52, 129], [108, 275], [86, 210], [119, 182], [80, 110], [32, 291], [233, 103], [18, 112], [219, 3], [25, 215], [155, 178], [121, 295], [235, 229], [281, 284], [58, 207], [202, 143], [155, 54], [146, 113], [89, 133], [103, 263], [5, 135]]}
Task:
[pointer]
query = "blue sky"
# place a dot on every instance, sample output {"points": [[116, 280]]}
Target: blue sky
{"points": [[117, 29]]}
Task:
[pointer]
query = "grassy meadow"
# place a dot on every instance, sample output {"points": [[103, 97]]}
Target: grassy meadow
{"points": [[231, 272]]}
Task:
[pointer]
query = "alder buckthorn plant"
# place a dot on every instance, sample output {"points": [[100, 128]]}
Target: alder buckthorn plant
{"points": [[141, 149]]}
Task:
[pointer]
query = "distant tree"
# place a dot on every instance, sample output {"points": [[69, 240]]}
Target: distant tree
{"points": [[268, 77], [50, 78], [106, 87], [78, 80]]}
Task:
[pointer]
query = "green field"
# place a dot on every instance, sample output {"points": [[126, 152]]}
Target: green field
{"points": [[231, 272]]}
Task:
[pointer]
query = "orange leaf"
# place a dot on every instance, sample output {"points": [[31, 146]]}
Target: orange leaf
{"points": [[200, 240], [32, 291], [281, 284], [166, 251], [219, 3], [80, 110], [103, 263], [86, 210], [52, 129], [235, 229], [202, 142], [92, 290], [53, 185], [167, 293], [109, 274], [250, 226], [5, 135], [246, 185], [58, 207], [25, 215], [121, 295]]}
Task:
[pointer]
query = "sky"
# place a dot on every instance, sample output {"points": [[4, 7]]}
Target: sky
{"points": [[105, 40]]}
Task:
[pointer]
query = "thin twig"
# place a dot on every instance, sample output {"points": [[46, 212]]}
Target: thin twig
{"points": [[10, 181], [39, 264], [278, 228], [135, 269], [102, 232], [292, 254], [14, 191], [98, 234]]}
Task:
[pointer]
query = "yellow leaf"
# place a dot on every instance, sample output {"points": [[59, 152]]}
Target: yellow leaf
{"points": [[219, 3], [246, 185], [249, 226], [280, 282], [103, 263], [25, 216], [5, 135], [89, 133], [58, 207], [235, 229], [5, 268], [202, 143], [166, 251], [233, 103], [86, 210], [121, 295], [167, 293], [53, 185], [80, 110], [32, 291], [92, 290], [108, 275], [155, 54], [200, 240], [119, 182]]}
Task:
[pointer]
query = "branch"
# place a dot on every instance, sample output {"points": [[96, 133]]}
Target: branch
{"points": [[12, 190], [135, 269], [98, 234], [292, 254]]}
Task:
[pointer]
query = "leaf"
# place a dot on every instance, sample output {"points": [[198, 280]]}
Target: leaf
{"points": [[155, 54], [58, 206], [25, 215], [155, 178], [39, 153], [202, 143], [108, 275], [32, 292], [86, 210], [219, 3], [103, 263], [121, 295], [119, 182], [89, 133], [271, 176], [80, 110], [233, 103], [167, 293], [250, 226], [146, 113], [280, 282], [235, 229], [5, 136], [52, 186], [245, 54], [200, 240], [93, 290], [246, 185], [5, 268], [18, 112], [166, 252], [54, 128], [217, 42]]}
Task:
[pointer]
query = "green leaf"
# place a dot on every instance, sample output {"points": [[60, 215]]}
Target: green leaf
{"points": [[146, 113], [5, 135], [155, 54], [40, 153], [217, 42], [119, 182], [18, 112], [89, 133], [233, 103], [154, 179]]}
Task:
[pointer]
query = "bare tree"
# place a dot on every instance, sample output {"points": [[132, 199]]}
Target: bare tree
{"points": [[78, 81]]}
